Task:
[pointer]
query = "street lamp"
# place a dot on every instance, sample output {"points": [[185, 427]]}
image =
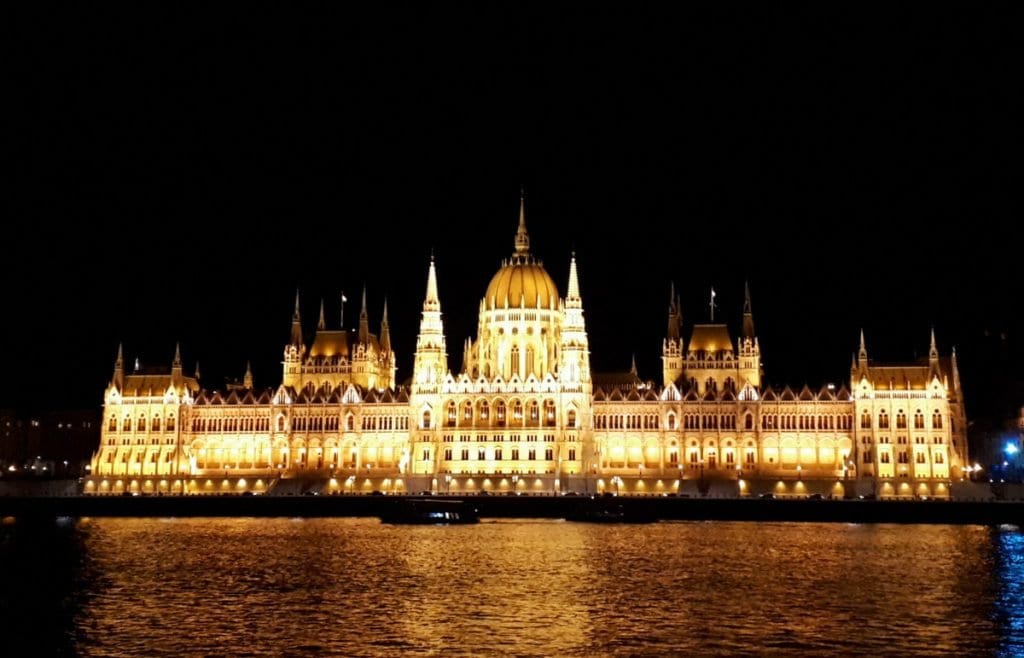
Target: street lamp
{"points": [[447, 482]]}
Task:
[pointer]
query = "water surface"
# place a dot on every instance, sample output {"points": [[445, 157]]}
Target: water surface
{"points": [[355, 587]]}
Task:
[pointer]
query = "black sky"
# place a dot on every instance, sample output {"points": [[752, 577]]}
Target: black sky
{"points": [[177, 173]]}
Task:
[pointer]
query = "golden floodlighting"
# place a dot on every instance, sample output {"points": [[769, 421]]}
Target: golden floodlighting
{"points": [[524, 400]]}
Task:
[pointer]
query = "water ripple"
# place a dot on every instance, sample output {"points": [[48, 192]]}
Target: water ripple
{"points": [[355, 587]]}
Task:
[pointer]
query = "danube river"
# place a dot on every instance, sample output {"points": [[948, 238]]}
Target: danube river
{"points": [[355, 587]]}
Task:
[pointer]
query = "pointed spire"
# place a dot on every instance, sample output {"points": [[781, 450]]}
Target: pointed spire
{"points": [[862, 354], [632, 368], [364, 321], [177, 356], [933, 351], [572, 298], [522, 237], [322, 323], [385, 330], [748, 313], [431, 299], [197, 369], [296, 338], [247, 379], [119, 368], [674, 316]]}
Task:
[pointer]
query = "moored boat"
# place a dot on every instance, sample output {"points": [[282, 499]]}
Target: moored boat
{"points": [[429, 512]]}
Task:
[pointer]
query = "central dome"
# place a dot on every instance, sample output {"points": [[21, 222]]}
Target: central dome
{"points": [[524, 283]]}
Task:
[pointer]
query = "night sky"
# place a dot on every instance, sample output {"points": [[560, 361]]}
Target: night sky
{"points": [[176, 174]]}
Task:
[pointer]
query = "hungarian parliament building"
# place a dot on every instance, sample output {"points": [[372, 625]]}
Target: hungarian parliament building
{"points": [[525, 414]]}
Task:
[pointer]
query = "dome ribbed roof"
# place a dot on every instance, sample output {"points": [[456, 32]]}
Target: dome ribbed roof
{"points": [[525, 283]]}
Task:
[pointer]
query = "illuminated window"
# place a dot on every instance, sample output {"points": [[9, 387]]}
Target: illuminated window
{"points": [[451, 414], [920, 459], [467, 411], [141, 426], [937, 420], [571, 418], [497, 454], [939, 458], [919, 420], [883, 420], [127, 425], [534, 411], [549, 454], [572, 454], [517, 410], [901, 420], [515, 454], [885, 458], [499, 410], [111, 426], [156, 423]]}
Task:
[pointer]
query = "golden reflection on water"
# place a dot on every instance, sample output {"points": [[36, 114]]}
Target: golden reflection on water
{"points": [[523, 587]]}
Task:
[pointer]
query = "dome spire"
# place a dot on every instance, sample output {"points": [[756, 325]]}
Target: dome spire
{"points": [[522, 237], [322, 324]]}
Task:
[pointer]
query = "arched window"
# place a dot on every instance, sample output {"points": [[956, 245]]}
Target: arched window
{"points": [[549, 412], [748, 422], [451, 414], [517, 410], [112, 425], [883, 420], [156, 423], [671, 421], [710, 385], [570, 419], [467, 412], [919, 420], [534, 412], [865, 421], [530, 369], [141, 426], [499, 411], [484, 412], [901, 420], [937, 420], [515, 360], [350, 422], [280, 423], [426, 420]]}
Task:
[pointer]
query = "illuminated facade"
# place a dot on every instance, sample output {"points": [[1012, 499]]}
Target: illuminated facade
{"points": [[525, 413]]}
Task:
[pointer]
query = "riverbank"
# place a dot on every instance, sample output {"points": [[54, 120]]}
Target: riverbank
{"points": [[667, 508]]}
